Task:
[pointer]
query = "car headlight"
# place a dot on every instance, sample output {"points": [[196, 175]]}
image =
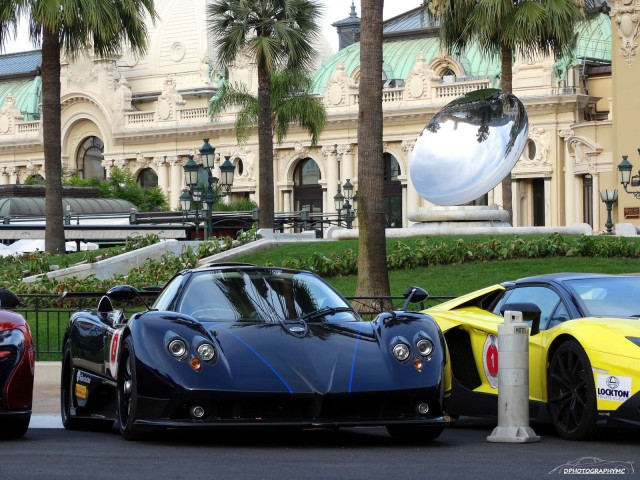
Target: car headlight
{"points": [[401, 351], [635, 340], [206, 352], [177, 347], [425, 347]]}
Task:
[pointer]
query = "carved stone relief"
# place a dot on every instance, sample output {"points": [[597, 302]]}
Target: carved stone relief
{"points": [[540, 137], [169, 100], [417, 81], [627, 22]]}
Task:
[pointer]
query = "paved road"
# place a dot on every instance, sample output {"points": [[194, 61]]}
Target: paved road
{"points": [[461, 452]]}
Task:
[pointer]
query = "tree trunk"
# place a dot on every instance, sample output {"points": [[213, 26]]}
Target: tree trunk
{"points": [[51, 131], [373, 277], [507, 76], [265, 151]]}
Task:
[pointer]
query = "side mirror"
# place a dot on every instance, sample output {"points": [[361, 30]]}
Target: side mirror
{"points": [[8, 299], [530, 312], [413, 294], [122, 293]]}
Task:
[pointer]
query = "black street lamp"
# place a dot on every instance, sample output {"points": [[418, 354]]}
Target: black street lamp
{"points": [[624, 170], [213, 190], [609, 197], [343, 203]]}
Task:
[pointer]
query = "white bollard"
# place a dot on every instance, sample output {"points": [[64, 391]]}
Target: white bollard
{"points": [[513, 382]]}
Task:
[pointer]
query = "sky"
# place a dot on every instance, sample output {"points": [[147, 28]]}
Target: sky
{"points": [[334, 10]]}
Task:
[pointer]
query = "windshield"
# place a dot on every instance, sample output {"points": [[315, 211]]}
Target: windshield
{"points": [[265, 296], [608, 296]]}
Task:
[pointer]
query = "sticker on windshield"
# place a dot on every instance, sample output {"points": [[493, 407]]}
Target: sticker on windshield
{"points": [[490, 360]]}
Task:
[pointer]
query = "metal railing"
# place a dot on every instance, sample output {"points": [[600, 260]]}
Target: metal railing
{"points": [[48, 315]]}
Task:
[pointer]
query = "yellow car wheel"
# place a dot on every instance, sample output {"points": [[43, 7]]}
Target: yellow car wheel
{"points": [[571, 392]]}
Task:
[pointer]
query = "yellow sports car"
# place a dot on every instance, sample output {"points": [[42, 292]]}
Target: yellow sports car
{"points": [[584, 349]]}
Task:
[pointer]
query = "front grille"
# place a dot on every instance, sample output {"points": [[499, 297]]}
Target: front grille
{"points": [[316, 408], [149, 407]]}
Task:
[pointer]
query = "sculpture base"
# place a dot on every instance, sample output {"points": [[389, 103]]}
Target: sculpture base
{"points": [[478, 215]]}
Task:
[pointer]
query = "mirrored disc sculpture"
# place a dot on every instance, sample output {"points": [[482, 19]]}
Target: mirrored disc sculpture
{"points": [[468, 147]]}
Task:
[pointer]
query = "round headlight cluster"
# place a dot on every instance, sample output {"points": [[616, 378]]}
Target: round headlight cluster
{"points": [[401, 351], [177, 348], [206, 352], [425, 347]]}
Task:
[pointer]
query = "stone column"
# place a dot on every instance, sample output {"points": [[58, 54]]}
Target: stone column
{"points": [[163, 180], [516, 203], [568, 179], [107, 164], [14, 175], [597, 204], [287, 205], [346, 165], [413, 199], [547, 202], [332, 175], [175, 180]]}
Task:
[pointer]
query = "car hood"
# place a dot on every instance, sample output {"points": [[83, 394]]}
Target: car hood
{"points": [[322, 358]]}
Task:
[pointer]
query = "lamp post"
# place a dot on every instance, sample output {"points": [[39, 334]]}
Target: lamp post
{"points": [[338, 201], [214, 189], [624, 171], [609, 197], [195, 192], [345, 204]]}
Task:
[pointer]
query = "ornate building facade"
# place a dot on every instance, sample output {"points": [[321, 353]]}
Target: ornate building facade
{"points": [[148, 114]]}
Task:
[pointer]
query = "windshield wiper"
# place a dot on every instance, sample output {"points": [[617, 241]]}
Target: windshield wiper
{"points": [[323, 312]]}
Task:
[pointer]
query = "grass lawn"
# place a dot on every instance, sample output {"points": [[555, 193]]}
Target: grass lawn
{"points": [[446, 280]]}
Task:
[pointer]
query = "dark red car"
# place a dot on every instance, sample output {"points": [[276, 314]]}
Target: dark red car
{"points": [[16, 368]]}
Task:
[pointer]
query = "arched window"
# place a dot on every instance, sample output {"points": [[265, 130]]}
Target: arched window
{"points": [[307, 192], [392, 192], [89, 159], [148, 178], [35, 179]]}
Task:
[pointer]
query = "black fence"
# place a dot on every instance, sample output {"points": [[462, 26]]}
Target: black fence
{"points": [[48, 315]]}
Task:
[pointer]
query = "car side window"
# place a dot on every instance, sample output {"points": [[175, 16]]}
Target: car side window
{"points": [[559, 315], [548, 301], [168, 294]]}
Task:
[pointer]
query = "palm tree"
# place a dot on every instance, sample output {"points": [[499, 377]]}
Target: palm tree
{"points": [[291, 103], [72, 27], [275, 33], [373, 278], [501, 27]]}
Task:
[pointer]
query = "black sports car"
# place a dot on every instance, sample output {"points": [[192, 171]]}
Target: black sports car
{"points": [[240, 345]]}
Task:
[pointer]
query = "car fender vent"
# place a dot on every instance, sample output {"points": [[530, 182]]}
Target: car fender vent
{"points": [[463, 364]]}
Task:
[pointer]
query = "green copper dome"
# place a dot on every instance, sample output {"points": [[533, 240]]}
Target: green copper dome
{"points": [[399, 55], [27, 94]]}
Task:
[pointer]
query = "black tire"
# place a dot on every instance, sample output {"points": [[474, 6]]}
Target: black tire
{"points": [[14, 428], [414, 434], [127, 391], [571, 393], [67, 399]]}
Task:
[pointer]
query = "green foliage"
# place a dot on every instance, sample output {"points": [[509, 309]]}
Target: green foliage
{"points": [[430, 251], [150, 273], [244, 205], [122, 185]]}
